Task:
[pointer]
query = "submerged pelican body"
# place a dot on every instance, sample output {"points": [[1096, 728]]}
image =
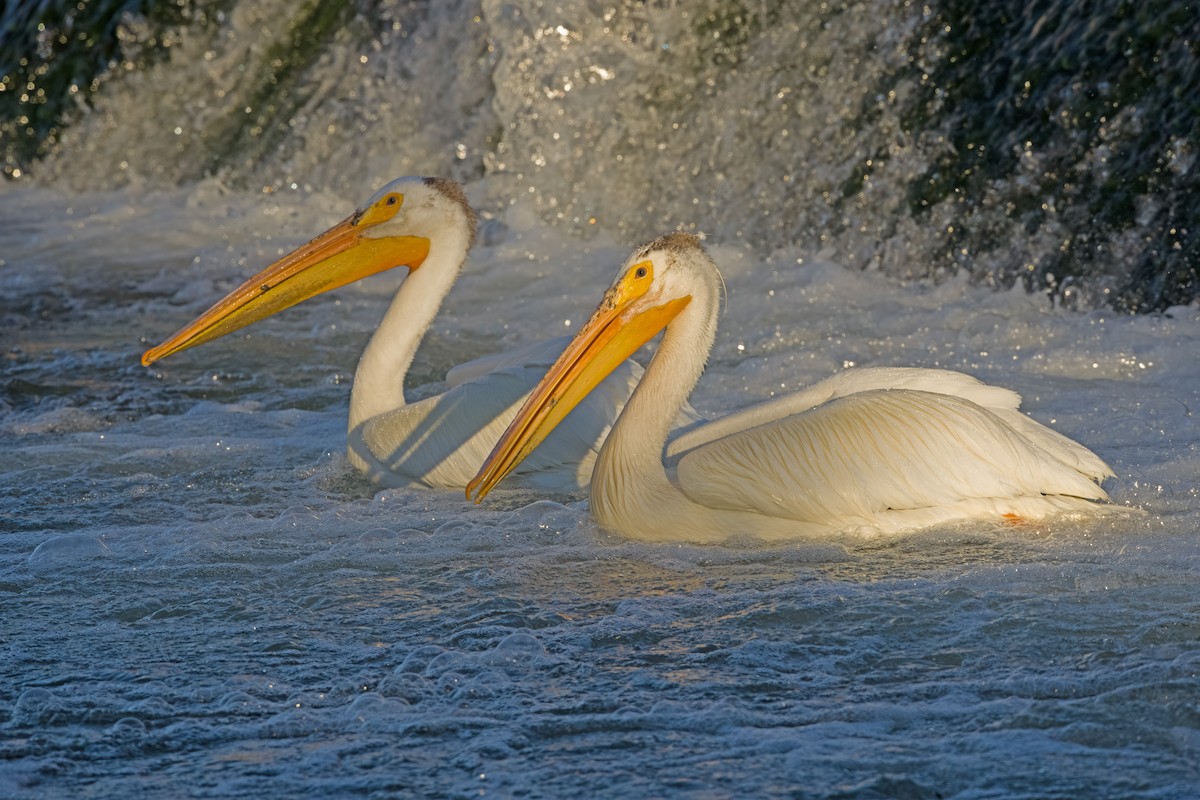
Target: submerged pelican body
{"points": [[426, 225], [874, 449]]}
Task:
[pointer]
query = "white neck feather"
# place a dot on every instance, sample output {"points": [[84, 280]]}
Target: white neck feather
{"points": [[630, 488], [379, 379]]}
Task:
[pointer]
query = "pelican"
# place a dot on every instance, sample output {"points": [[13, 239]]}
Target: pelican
{"points": [[882, 449], [426, 225]]}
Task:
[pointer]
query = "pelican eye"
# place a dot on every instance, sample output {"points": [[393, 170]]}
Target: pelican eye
{"points": [[637, 280], [382, 210]]}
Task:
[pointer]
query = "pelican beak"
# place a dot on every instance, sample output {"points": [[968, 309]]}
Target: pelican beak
{"points": [[615, 332], [340, 255]]}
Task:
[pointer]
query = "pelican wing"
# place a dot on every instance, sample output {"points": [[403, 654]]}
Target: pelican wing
{"points": [[442, 440], [872, 452], [539, 354], [843, 384]]}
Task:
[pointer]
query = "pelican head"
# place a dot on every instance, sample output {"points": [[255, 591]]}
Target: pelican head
{"points": [[396, 228], [652, 288]]}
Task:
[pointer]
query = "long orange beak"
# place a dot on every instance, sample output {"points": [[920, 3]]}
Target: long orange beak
{"points": [[339, 256], [614, 333]]}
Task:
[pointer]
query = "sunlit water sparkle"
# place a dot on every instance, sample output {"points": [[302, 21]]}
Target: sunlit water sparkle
{"points": [[201, 598], [198, 598]]}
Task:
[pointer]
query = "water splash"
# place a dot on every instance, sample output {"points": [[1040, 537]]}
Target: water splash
{"points": [[919, 140]]}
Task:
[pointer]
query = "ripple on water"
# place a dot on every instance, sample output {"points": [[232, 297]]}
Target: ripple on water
{"points": [[66, 551]]}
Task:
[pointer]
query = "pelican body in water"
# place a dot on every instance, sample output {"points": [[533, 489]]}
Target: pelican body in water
{"points": [[875, 449], [426, 225]]}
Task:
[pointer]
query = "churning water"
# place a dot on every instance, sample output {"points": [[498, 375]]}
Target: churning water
{"points": [[200, 598]]}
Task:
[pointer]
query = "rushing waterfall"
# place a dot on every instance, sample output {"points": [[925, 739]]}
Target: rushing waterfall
{"points": [[1050, 144]]}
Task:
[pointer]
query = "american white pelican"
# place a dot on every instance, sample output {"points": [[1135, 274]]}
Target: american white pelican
{"points": [[426, 225], [873, 449]]}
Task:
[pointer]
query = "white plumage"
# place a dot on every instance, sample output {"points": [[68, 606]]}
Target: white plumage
{"points": [[878, 449], [426, 225], [440, 441]]}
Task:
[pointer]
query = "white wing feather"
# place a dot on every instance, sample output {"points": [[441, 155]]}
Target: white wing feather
{"points": [[870, 452], [441, 441], [539, 354], [843, 384]]}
